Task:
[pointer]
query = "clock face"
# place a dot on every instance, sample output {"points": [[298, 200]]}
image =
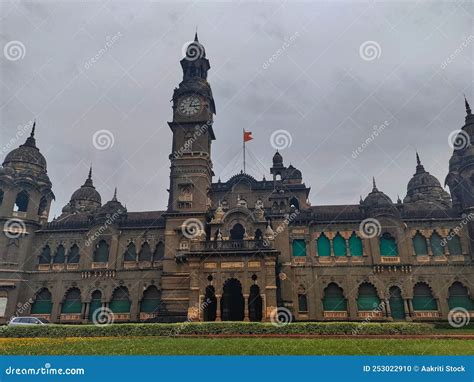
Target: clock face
{"points": [[189, 105]]}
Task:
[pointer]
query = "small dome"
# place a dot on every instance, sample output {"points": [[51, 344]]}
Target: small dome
{"points": [[424, 188], [85, 199], [378, 202], [26, 156], [277, 159], [292, 173], [112, 207]]}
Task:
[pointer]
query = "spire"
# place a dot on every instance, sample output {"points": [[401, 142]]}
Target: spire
{"points": [[374, 186], [32, 135], [90, 173], [31, 141], [419, 167], [88, 182], [115, 195], [418, 162], [196, 35], [468, 108]]}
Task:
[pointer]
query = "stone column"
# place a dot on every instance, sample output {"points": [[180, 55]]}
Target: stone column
{"points": [[246, 307], [388, 310], [411, 312], [86, 312], [218, 307]]}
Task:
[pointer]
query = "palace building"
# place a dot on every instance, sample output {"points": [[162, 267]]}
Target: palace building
{"points": [[234, 250]]}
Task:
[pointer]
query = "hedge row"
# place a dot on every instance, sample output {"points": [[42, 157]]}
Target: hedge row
{"points": [[212, 328]]}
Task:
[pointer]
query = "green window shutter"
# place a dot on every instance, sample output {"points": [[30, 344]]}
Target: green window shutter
{"points": [[334, 299], [367, 299], [436, 245], [299, 247], [423, 299], [95, 304], [41, 307], [101, 254], [419, 244], [73, 255], [388, 246], [151, 305], [454, 246], [60, 255], [130, 253], [120, 306], [355, 245], [461, 302], [339, 245], [323, 246], [45, 257], [71, 307]]}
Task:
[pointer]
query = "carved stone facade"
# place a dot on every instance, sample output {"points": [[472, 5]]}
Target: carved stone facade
{"points": [[234, 250]]}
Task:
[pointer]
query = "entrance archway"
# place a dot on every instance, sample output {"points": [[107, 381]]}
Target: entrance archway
{"points": [[396, 303], [255, 304], [232, 302], [210, 304], [237, 232]]}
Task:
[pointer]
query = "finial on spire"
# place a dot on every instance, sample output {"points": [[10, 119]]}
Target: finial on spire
{"points": [[196, 35], [373, 184], [32, 135], [115, 195], [418, 162], [468, 108], [90, 173]]}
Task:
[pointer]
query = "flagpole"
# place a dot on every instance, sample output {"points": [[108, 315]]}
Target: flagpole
{"points": [[243, 138]]}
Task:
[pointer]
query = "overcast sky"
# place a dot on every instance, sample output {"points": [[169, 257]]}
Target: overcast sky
{"points": [[325, 73]]}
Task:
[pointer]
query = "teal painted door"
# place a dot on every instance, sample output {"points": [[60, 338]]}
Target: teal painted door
{"points": [[397, 307], [95, 304]]}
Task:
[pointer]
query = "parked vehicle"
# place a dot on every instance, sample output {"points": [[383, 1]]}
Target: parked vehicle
{"points": [[27, 321]]}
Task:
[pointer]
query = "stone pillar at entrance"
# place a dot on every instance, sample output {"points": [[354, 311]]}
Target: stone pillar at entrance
{"points": [[218, 307], [388, 310], [408, 308], [246, 307]]}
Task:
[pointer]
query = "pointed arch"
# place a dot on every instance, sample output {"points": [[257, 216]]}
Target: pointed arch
{"points": [[22, 201], [436, 242], [145, 252], [323, 245], [255, 304], [72, 302], [459, 297], [42, 302], [130, 253], [423, 297], [120, 302], [355, 245], [454, 244], [73, 254], [151, 300], [419, 244], [210, 304], [388, 245], [367, 298], [43, 205], [45, 256], [334, 299], [159, 253], [95, 305], [397, 305], [339, 245], [101, 253], [60, 255]]}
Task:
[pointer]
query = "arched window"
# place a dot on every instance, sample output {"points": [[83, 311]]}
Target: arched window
{"points": [[43, 204], [120, 302], [397, 305], [72, 302], [339, 245], [237, 232], [45, 256], [423, 298], [302, 300], [60, 255], [454, 245], [73, 255], [334, 299], [459, 297], [367, 298], [130, 253], [436, 242], [151, 300], [419, 244], [1, 197], [145, 252], [42, 303], [299, 247], [21, 201], [95, 305], [159, 253], [255, 304], [355, 245], [388, 245], [210, 304], [258, 234], [294, 203], [101, 253], [323, 245]]}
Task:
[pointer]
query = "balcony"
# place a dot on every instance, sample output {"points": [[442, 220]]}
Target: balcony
{"points": [[231, 245]]}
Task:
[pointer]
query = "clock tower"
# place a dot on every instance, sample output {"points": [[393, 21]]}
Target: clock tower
{"points": [[193, 110]]}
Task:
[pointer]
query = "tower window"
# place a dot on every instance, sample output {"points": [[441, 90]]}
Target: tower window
{"points": [[21, 202], [1, 197], [42, 206]]}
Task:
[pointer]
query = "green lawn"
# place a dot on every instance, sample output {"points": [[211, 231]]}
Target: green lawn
{"points": [[232, 346]]}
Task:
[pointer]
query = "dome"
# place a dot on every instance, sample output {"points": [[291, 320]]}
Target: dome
{"points": [[26, 156], [424, 188], [378, 202], [292, 173], [112, 207], [277, 159], [85, 199]]}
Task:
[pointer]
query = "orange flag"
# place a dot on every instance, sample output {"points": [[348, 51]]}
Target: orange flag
{"points": [[247, 136]]}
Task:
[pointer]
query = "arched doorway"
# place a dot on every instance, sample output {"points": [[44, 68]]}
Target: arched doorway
{"points": [[95, 304], [210, 304], [255, 304], [237, 232], [232, 303], [396, 303]]}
